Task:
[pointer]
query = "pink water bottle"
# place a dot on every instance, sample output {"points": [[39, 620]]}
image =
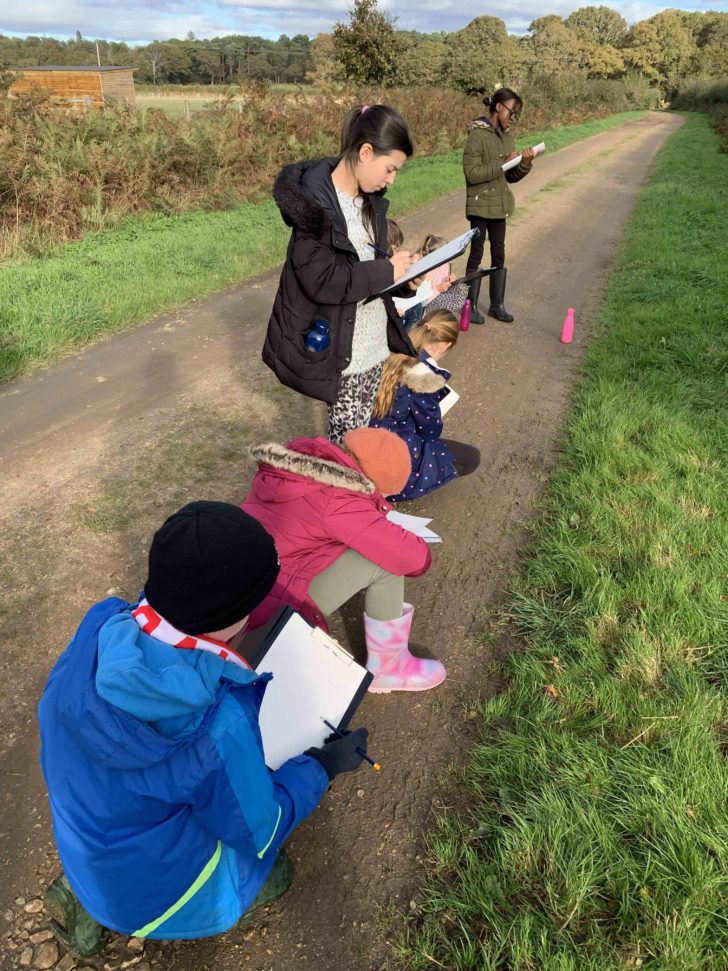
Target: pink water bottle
{"points": [[465, 315], [567, 331]]}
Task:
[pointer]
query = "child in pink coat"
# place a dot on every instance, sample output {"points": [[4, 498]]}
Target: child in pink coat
{"points": [[324, 506]]}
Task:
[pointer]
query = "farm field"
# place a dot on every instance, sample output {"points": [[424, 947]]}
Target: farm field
{"points": [[176, 100], [176, 105], [101, 446]]}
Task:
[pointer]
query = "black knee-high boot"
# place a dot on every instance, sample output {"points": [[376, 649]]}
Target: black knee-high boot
{"points": [[497, 294], [473, 295]]}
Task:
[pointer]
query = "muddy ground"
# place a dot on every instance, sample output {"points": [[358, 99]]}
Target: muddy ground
{"points": [[97, 450]]}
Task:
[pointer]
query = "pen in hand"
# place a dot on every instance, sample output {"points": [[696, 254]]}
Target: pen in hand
{"points": [[375, 765], [376, 249]]}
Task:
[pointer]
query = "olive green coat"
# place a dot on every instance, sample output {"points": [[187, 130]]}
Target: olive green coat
{"points": [[488, 194]]}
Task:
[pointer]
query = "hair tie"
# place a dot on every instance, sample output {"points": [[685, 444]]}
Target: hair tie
{"points": [[364, 109]]}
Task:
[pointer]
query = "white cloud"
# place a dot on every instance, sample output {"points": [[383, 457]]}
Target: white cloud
{"points": [[136, 20]]}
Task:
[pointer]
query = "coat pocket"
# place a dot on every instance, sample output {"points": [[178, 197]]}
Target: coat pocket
{"points": [[485, 192], [316, 363]]}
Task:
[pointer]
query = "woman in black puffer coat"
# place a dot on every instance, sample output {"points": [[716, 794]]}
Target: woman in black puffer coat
{"points": [[337, 212]]}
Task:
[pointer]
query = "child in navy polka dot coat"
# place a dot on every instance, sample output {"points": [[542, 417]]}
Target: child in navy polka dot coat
{"points": [[408, 404]]}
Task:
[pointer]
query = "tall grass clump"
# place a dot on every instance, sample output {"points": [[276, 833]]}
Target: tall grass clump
{"points": [[64, 174], [592, 834], [710, 97]]}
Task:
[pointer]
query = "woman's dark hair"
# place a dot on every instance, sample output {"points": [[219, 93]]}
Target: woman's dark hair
{"points": [[381, 127], [500, 97]]}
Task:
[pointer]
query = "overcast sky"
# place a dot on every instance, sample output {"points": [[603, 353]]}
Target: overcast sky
{"points": [[137, 21]]}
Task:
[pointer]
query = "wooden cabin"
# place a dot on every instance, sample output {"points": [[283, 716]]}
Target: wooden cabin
{"points": [[78, 87]]}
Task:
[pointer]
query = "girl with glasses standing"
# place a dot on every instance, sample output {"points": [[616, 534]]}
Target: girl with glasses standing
{"points": [[489, 198]]}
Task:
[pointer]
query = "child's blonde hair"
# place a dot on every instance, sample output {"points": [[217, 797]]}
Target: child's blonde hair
{"points": [[395, 236], [441, 326]]}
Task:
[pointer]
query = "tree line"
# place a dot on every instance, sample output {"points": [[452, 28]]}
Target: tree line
{"points": [[220, 60], [665, 50]]}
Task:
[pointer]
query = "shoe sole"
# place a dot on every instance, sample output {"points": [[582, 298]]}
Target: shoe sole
{"points": [[388, 691]]}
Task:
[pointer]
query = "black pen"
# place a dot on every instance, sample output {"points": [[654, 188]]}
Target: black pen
{"points": [[375, 765], [376, 249]]}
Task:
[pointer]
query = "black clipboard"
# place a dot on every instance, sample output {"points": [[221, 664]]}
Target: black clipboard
{"points": [[254, 647], [475, 275]]}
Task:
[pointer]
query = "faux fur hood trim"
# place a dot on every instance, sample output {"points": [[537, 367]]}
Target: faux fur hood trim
{"points": [[325, 471], [423, 383], [483, 124], [297, 207]]}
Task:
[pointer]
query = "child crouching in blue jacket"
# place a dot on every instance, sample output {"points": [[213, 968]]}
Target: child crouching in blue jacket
{"points": [[408, 403], [167, 821]]}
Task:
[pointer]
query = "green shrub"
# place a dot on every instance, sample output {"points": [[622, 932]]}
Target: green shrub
{"points": [[710, 97]]}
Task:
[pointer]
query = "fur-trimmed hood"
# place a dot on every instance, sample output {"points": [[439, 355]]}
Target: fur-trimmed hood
{"points": [[425, 377], [300, 192], [422, 383], [306, 197], [481, 122], [313, 459]]}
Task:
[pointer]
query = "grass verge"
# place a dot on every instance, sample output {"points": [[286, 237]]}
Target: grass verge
{"points": [[593, 834], [55, 304]]}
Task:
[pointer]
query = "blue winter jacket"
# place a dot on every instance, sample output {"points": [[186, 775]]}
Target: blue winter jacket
{"points": [[415, 416], [166, 818]]}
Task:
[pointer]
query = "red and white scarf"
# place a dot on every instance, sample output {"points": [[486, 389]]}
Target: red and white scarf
{"points": [[161, 630]]}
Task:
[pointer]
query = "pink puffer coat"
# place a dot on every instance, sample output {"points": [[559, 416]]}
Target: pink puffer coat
{"points": [[315, 501]]}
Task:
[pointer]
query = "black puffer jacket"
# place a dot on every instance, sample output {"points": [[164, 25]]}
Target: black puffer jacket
{"points": [[323, 277]]}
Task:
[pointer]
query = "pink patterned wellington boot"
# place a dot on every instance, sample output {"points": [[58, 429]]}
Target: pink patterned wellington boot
{"points": [[389, 659]]}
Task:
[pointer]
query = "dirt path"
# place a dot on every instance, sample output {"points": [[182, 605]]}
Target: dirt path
{"points": [[97, 450]]}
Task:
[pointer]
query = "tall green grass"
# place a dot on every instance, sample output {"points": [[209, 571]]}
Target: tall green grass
{"points": [[592, 834], [709, 96], [57, 303]]}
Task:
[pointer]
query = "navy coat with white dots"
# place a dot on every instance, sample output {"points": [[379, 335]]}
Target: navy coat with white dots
{"points": [[416, 417]]}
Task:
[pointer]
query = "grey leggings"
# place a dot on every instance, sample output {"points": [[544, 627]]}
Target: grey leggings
{"points": [[350, 574]]}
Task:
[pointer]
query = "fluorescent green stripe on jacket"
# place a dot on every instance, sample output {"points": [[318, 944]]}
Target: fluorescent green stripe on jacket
{"points": [[201, 880]]}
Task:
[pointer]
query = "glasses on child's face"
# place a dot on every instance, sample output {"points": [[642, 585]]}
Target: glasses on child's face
{"points": [[512, 112]]}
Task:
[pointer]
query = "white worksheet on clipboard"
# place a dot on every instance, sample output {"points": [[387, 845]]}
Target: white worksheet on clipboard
{"points": [[314, 679], [443, 254]]}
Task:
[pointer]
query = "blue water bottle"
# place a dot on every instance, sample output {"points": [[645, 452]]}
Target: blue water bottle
{"points": [[318, 338]]}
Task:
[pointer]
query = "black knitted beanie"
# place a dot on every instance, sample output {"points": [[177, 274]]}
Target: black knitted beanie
{"points": [[210, 565]]}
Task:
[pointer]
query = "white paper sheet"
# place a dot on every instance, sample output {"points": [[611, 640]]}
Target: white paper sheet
{"points": [[414, 524], [449, 400], [314, 679], [423, 293], [507, 166]]}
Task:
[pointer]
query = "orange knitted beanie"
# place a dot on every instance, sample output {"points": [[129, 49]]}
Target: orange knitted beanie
{"points": [[383, 457]]}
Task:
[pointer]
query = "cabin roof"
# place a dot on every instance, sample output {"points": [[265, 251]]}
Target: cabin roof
{"points": [[73, 68]]}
